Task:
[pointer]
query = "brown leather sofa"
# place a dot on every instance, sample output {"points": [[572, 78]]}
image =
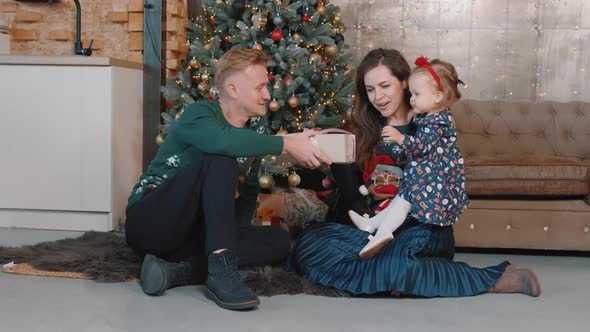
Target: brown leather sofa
{"points": [[528, 174]]}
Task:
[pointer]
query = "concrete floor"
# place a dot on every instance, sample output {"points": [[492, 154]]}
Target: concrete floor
{"points": [[29, 303]]}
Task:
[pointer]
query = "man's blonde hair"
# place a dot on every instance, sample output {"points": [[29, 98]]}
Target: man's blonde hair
{"points": [[235, 60]]}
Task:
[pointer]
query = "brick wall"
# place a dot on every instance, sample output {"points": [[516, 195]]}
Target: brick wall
{"points": [[175, 26], [115, 26]]}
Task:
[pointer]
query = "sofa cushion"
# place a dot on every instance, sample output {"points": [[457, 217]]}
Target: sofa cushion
{"points": [[555, 176]]}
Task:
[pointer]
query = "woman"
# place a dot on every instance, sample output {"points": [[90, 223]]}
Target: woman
{"points": [[419, 261]]}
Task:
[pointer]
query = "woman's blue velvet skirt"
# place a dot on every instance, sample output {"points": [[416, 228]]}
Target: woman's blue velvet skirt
{"points": [[418, 262]]}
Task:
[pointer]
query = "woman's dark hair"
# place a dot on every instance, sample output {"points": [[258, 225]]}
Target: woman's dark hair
{"points": [[367, 122]]}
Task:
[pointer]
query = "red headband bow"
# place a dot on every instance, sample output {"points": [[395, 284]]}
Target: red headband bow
{"points": [[423, 62]]}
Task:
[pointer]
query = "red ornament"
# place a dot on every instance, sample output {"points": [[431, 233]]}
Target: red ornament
{"points": [[276, 35], [306, 18], [212, 20], [270, 77], [287, 80]]}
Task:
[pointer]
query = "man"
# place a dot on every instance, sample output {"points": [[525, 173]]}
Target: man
{"points": [[183, 214]]}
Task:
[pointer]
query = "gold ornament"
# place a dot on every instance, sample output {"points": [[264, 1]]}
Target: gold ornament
{"points": [[274, 106], [194, 63], [337, 18], [331, 50], [321, 9], [294, 179], [260, 19], [257, 46], [296, 35], [314, 58], [329, 102], [205, 76], [265, 182], [277, 86], [159, 139], [282, 132], [256, 17], [293, 102], [213, 92], [203, 86]]}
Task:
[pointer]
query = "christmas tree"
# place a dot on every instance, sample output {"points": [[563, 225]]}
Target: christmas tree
{"points": [[309, 69]]}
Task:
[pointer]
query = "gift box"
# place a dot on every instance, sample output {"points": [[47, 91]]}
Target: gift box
{"points": [[270, 210], [339, 145]]}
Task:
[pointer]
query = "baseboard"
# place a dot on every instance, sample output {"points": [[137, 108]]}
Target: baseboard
{"points": [[56, 220], [16, 237], [522, 252]]}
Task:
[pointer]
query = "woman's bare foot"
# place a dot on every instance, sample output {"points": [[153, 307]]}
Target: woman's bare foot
{"points": [[515, 280]]}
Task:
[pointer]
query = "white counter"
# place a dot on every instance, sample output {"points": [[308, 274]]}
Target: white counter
{"points": [[71, 134], [67, 60]]}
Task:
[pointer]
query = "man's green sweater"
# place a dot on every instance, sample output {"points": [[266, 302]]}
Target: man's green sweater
{"points": [[202, 129]]}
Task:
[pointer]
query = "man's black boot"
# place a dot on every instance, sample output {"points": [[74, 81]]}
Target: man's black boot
{"points": [[158, 275], [224, 285]]}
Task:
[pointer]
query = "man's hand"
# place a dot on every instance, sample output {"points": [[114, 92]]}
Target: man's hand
{"points": [[299, 147], [391, 134]]}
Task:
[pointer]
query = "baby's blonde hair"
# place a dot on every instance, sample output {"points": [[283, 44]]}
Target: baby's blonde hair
{"points": [[448, 79], [235, 60]]}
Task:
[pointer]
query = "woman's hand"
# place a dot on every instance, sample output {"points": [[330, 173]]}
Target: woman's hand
{"points": [[390, 134]]}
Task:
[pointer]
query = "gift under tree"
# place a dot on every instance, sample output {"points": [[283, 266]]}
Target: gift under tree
{"points": [[309, 72]]}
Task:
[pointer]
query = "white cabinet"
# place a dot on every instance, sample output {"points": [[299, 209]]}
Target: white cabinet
{"points": [[70, 141]]}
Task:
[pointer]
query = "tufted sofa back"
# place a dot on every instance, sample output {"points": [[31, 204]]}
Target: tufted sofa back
{"points": [[521, 131], [525, 149]]}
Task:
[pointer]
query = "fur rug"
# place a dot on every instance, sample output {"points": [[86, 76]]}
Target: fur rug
{"points": [[105, 257]]}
